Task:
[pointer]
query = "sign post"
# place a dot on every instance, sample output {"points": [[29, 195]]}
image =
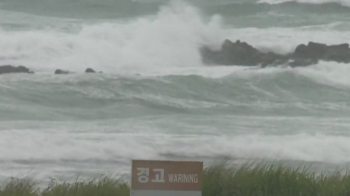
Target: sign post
{"points": [[166, 178]]}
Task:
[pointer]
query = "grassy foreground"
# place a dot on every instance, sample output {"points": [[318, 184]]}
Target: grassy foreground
{"points": [[247, 180]]}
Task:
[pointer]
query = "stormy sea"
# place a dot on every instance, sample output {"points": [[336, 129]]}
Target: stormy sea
{"points": [[155, 98]]}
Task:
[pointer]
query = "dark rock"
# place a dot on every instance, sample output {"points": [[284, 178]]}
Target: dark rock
{"points": [[238, 53], [338, 53], [272, 59], [89, 70], [302, 62], [311, 51], [59, 71], [241, 53], [6, 69]]}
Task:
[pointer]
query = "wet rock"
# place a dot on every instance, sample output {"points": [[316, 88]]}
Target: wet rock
{"points": [[89, 70], [7, 69], [238, 53], [310, 51], [241, 53], [302, 62], [59, 71]]}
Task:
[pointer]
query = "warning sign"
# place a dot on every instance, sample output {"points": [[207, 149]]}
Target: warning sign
{"points": [[166, 178]]}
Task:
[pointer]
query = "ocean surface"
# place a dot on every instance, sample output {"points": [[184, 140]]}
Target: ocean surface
{"points": [[155, 98]]}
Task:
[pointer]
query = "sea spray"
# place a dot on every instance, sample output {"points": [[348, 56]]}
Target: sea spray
{"points": [[155, 98], [171, 38]]}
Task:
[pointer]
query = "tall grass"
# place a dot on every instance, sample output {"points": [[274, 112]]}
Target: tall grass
{"points": [[220, 180]]}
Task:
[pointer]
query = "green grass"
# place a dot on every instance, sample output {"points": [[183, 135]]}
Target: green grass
{"points": [[220, 180]]}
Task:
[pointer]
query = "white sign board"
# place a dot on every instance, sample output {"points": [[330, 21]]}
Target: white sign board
{"points": [[166, 178]]}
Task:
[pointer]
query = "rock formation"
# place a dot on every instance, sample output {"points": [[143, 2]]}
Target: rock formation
{"points": [[89, 70], [6, 69], [60, 71], [241, 53]]}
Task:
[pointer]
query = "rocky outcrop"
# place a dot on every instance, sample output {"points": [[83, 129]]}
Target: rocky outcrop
{"points": [[241, 53], [7, 69], [89, 70], [317, 51], [60, 71]]}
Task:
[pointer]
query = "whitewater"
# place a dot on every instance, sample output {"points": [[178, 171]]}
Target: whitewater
{"points": [[155, 98]]}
